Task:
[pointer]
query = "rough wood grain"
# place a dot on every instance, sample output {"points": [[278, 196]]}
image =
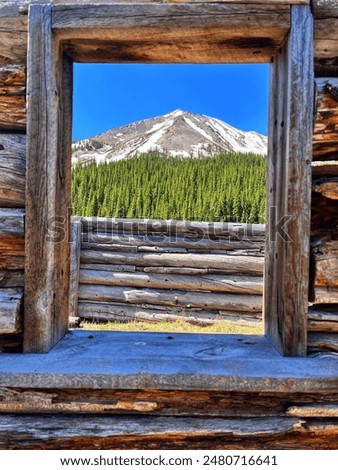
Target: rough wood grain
{"points": [[189, 242], [165, 230], [99, 432], [289, 188], [328, 187], [325, 294], [323, 319], [322, 342], [318, 410], [12, 80], [326, 263], [233, 264], [197, 32], [49, 91], [325, 137], [74, 267], [228, 302], [105, 312], [212, 283], [325, 8], [12, 170], [12, 242], [323, 217], [11, 301], [13, 36]]}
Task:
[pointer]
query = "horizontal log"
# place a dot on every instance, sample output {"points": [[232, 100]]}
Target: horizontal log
{"points": [[12, 80], [227, 302], [188, 243], [190, 231], [13, 113], [323, 217], [325, 136], [232, 264], [319, 171], [323, 319], [325, 294], [325, 255], [322, 342], [325, 8], [13, 37], [327, 187], [11, 278], [212, 283], [12, 239], [12, 170], [141, 432], [318, 410], [103, 312], [10, 311]]}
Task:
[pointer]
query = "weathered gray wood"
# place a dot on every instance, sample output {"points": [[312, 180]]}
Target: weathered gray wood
{"points": [[49, 91], [318, 410], [11, 278], [322, 342], [10, 311], [228, 302], [325, 8], [172, 32], [163, 241], [104, 312], [76, 231], [289, 188], [12, 170], [213, 283], [165, 230], [233, 264], [12, 222], [323, 319]]}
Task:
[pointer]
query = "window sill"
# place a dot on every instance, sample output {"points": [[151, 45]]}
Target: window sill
{"points": [[168, 361]]}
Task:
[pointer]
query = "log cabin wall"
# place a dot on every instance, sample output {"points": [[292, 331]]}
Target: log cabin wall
{"points": [[279, 417]]}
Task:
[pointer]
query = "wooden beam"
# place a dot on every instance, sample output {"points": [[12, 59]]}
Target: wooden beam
{"points": [[47, 272], [12, 242], [171, 32], [11, 301], [13, 36], [325, 137], [12, 170], [289, 188]]}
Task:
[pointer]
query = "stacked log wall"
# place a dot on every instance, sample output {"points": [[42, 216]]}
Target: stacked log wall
{"points": [[13, 47]]}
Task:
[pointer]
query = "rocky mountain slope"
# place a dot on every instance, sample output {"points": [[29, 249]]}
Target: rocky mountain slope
{"points": [[179, 133]]}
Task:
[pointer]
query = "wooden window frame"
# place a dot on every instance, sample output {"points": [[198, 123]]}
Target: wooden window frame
{"points": [[224, 32]]}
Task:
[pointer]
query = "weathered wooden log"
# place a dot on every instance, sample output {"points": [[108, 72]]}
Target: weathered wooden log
{"points": [[211, 283], [327, 187], [323, 319], [11, 239], [11, 311], [12, 80], [322, 342], [325, 295], [233, 264], [323, 217], [12, 113], [11, 278], [205, 300], [190, 231], [13, 35], [164, 240], [320, 169], [74, 268], [111, 267], [325, 137], [12, 170], [325, 255]]}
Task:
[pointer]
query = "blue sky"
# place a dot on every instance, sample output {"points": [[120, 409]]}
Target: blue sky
{"points": [[111, 95]]}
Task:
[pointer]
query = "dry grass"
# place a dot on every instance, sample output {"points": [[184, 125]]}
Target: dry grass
{"points": [[179, 326]]}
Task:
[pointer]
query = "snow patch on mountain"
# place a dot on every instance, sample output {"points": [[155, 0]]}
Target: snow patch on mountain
{"points": [[180, 134]]}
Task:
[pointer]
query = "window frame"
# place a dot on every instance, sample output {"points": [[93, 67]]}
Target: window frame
{"points": [[59, 34]]}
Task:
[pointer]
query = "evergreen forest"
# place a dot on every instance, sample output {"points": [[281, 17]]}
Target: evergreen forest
{"points": [[227, 187]]}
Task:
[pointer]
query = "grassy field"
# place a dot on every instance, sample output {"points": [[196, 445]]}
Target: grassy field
{"points": [[179, 326]]}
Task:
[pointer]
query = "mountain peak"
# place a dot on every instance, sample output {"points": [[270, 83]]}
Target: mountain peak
{"points": [[178, 133]]}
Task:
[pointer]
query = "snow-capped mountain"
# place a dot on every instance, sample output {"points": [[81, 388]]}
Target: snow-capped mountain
{"points": [[179, 133]]}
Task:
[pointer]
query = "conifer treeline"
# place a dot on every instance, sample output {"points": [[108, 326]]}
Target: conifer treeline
{"points": [[227, 187]]}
